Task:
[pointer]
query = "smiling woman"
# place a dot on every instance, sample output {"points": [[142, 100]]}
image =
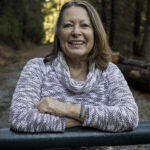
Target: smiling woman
{"points": [[76, 37], [76, 84]]}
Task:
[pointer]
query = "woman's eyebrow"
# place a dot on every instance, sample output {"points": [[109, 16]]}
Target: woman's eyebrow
{"points": [[72, 21], [85, 21]]}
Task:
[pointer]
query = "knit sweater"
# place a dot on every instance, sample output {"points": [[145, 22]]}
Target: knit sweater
{"points": [[109, 105]]}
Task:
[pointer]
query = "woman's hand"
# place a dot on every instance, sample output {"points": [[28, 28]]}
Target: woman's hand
{"points": [[51, 106], [61, 109]]}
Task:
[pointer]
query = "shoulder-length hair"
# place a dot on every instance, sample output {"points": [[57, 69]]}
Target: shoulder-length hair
{"points": [[101, 52]]}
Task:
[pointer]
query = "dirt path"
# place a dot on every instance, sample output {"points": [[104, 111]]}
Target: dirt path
{"points": [[9, 75]]}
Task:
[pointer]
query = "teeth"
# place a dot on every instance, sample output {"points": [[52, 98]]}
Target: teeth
{"points": [[76, 43]]}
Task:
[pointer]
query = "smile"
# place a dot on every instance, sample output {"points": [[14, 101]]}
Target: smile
{"points": [[76, 42]]}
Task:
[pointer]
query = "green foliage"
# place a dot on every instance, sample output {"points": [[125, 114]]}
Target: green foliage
{"points": [[21, 20], [9, 25], [33, 23]]}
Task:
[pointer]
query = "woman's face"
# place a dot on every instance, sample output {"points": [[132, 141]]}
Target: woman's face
{"points": [[76, 33]]}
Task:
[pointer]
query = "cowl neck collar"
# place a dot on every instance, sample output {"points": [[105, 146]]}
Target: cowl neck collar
{"points": [[62, 71]]}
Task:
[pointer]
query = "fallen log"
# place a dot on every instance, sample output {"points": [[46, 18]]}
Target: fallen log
{"points": [[136, 72], [136, 76], [134, 63], [115, 57]]}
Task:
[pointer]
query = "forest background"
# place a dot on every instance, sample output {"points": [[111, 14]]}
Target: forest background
{"points": [[26, 31], [127, 23]]}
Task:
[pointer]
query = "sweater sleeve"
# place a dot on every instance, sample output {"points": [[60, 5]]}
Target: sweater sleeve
{"points": [[121, 113], [23, 116]]}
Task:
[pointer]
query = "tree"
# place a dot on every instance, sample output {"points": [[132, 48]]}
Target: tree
{"points": [[146, 41], [113, 22], [104, 14], [21, 21], [139, 8]]}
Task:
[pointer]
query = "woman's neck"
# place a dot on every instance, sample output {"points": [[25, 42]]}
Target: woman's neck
{"points": [[78, 69]]}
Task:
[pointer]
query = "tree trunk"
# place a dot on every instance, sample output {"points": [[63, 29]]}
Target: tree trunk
{"points": [[134, 63], [136, 76], [136, 72], [146, 42], [104, 16], [137, 24], [112, 27]]}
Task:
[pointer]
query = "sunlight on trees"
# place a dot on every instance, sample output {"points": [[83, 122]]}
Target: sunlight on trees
{"points": [[51, 10]]}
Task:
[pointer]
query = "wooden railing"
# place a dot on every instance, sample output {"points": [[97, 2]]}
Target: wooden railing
{"points": [[73, 138]]}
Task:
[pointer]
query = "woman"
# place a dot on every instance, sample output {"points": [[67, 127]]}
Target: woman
{"points": [[76, 85]]}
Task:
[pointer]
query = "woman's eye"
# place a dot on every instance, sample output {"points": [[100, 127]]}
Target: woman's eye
{"points": [[85, 25], [67, 25]]}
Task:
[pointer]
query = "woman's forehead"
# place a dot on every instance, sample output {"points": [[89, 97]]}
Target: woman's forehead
{"points": [[75, 13]]}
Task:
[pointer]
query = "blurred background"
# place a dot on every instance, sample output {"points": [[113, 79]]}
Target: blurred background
{"points": [[27, 31]]}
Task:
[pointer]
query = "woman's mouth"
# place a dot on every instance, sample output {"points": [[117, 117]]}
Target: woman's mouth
{"points": [[76, 44]]}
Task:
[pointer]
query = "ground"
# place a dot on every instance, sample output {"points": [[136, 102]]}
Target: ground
{"points": [[11, 64]]}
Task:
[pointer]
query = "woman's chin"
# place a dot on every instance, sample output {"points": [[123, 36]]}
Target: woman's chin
{"points": [[77, 55]]}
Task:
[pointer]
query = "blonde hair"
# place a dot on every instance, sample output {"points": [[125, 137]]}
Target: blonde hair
{"points": [[101, 52]]}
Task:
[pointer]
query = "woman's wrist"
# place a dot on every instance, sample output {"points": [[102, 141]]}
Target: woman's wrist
{"points": [[81, 112], [75, 111], [72, 123]]}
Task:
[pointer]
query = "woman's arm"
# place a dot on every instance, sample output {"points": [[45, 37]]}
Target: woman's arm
{"points": [[74, 112], [23, 114], [121, 112], [72, 123]]}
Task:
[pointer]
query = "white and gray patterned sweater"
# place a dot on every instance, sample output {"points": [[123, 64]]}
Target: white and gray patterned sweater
{"points": [[109, 105]]}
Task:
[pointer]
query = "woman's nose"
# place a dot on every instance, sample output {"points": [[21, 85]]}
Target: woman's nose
{"points": [[76, 31]]}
